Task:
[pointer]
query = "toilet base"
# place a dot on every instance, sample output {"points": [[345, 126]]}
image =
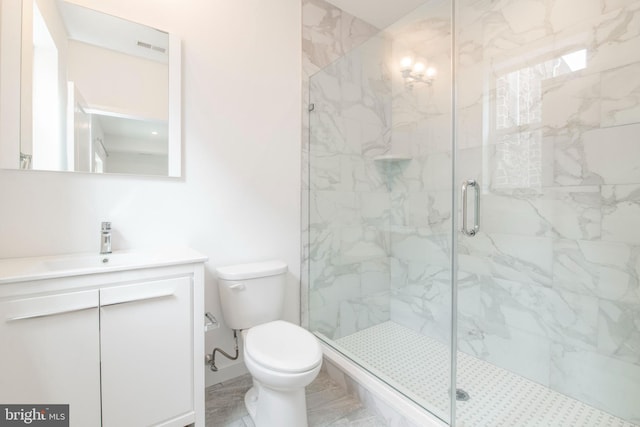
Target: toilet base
{"points": [[276, 408], [251, 401]]}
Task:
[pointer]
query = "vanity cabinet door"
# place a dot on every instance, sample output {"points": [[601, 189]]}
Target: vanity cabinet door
{"points": [[147, 353], [50, 353]]}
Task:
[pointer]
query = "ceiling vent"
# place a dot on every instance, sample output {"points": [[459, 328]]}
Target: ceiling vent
{"points": [[152, 47]]}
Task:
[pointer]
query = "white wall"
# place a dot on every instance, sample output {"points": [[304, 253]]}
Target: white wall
{"points": [[240, 197]]}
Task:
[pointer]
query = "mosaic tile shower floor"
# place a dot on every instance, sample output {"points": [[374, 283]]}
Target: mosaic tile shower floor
{"points": [[419, 366]]}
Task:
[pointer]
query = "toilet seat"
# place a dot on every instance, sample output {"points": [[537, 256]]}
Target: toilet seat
{"points": [[283, 347]]}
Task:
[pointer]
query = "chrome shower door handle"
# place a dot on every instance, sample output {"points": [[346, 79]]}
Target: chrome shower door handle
{"points": [[476, 217]]}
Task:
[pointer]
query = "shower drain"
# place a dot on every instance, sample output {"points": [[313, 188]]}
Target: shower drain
{"points": [[462, 395]]}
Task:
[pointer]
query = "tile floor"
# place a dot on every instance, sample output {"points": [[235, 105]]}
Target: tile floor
{"points": [[328, 404]]}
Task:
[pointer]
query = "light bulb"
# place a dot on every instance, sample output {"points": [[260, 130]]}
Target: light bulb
{"points": [[405, 63], [431, 72], [419, 68]]}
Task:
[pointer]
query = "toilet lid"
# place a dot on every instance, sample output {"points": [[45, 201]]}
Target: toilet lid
{"points": [[283, 346]]}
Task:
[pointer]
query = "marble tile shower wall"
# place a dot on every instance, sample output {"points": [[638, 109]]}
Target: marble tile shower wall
{"points": [[420, 217], [380, 232], [349, 281], [548, 121], [350, 125]]}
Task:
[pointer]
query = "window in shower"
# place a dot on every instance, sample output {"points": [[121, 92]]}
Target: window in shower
{"points": [[518, 120]]}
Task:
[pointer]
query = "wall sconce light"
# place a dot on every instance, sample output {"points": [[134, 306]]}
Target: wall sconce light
{"points": [[416, 72]]}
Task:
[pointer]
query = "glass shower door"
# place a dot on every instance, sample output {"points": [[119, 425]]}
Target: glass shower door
{"points": [[547, 124], [380, 205]]}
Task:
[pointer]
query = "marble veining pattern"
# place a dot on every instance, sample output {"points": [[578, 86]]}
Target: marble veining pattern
{"points": [[327, 34], [547, 120]]}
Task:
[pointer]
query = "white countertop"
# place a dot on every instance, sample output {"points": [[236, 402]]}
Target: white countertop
{"points": [[47, 267]]}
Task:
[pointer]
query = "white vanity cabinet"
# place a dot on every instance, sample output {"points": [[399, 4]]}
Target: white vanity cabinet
{"points": [[51, 352], [145, 334], [123, 345]]}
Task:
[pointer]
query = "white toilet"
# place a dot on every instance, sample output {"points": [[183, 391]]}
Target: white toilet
{"points": [[283, 358]]}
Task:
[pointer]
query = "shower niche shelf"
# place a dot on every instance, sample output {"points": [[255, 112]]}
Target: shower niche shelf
{"points": [[391, 166], [392, 158]]}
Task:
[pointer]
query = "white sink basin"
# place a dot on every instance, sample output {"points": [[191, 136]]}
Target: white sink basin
{"points": [[23, 269]]}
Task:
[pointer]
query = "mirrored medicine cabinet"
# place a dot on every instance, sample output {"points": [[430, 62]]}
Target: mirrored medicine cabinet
{"points": [[84, 91]]}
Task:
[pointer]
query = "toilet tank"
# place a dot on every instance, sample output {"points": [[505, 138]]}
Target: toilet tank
{"points": [[251, 294]]}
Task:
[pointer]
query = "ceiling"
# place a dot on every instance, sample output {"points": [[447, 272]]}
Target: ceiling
{"points": [[131, 135], [379, 13]]}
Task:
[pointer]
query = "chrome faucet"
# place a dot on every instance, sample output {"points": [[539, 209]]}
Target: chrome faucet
{"points": [[105, 238]]}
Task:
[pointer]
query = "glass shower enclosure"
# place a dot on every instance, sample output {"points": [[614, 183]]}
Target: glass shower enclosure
{"points": [[474, 210]]}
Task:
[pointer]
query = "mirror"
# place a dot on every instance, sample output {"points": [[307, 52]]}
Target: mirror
{"points": [[96, 93]]}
